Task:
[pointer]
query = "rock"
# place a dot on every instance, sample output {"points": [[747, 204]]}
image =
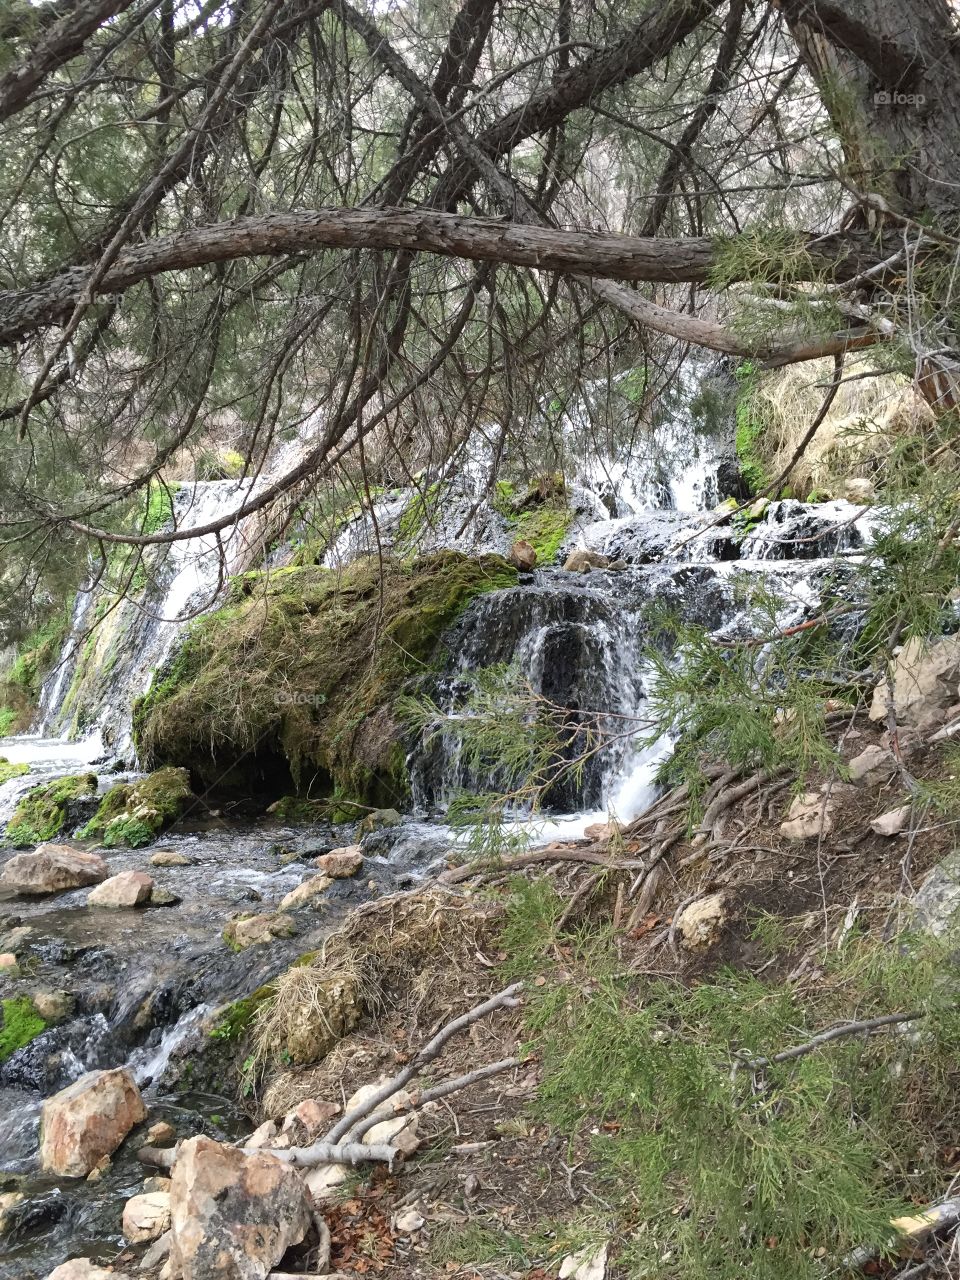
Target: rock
{"points": [[54, 1006], [602, 830], [377, 819], [586, 1264], [304, 894], [810, 817], [88, 1120], [170, 858], [15, 939], [323, 1182], [156, 1183], [757, 510], [937, 902], [250, 931], [523, 556], [146, 1217], [233, 1215], [8, 965], [160, 897], [872, 767], [160, 1134], [157, 1253], [700, 922], [858, 489], [340, 864], [317, 1024], [925, 677], [408, 1221], [262, 1136], [582, 561], [84, 1269], [399, 1132], [311, 1117], [99, 1169], [128, 889], [10, 1201], [892, 823], [52, 868]]}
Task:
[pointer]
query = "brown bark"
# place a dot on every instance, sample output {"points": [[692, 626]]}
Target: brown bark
{"points": [[839, 256]]}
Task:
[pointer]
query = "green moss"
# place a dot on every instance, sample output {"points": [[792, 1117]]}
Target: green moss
{"points": [[749, 430], [237, 1016], [132, 814], [21, 1024], [41, 813], [8, 770], [307, 667], [545, 528]]}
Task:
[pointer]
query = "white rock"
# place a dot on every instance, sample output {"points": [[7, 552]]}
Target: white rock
{"points": [[146, 1217], [925, 676], [937, 901], [128, 889], [305, 893], [322, 1182], [700, 922], [586, 1264], [262, 1136], [810, 816], [84, 1269], [87, 1121], [872, 767], [892, 823], [407, 1222]]}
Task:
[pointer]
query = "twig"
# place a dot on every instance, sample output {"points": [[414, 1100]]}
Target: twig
{"points": [[349, 1123], [825, 1037]]}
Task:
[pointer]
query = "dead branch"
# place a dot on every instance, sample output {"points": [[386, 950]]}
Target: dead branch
{"points": [[330, 1153], [482, 867], [845, 1029]]}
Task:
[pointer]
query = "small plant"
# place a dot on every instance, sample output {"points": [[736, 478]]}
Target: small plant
{"points": [[21, 1024]]}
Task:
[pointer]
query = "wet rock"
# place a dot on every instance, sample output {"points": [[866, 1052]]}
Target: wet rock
{"points": [[54, 1006], [937, 902], [128, 889], [170, 858], [16, 938], [88, 1120], [233, 1215], [52, 868], [810, 816], [160, 897], [8, 965], [376, 819], [925, 677], [340, 864], [699, 923], [160, 1134], [583, 561], [103, 1165], [891, 823], [304, 894], [523, 556], [251, 931], [156, 1183], [872, 767], [146, 1217], [158, 1251], [10, 1201]]}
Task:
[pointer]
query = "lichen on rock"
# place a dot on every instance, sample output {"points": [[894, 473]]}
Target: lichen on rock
{"points": [[42, 812]]}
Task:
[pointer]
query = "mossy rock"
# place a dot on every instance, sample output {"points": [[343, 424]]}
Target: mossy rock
{"points": [[43, 811], [21, 1024], [304, 668], [133, 814], [8, 770]]}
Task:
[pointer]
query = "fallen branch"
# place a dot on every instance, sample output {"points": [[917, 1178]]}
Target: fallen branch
{"points": [[866, 1027], [915, 1228], [457, 874], [330, 1153], [351, 1122], [726, 799]]}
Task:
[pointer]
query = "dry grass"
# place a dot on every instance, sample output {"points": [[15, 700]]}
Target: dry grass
{"points": [[868, 415]]}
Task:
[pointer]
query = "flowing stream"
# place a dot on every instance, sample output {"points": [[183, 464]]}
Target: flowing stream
{"points": [[145, 983]]}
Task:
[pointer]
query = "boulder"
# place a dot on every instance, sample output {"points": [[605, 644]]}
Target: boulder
{"points": [[128, 889], [233, 1215], [84, 1269], [701, 921], [304, 894], [937, 902], [332, 1012], [925, 677], [146, 1217], [251, 931], [523, 556], [583, 561], [16, 938], [170, 858], [54, 1006], [340, 864], [810, 816], [88, 1120], [872, 767], [376, 819], [52, 868], [891, 823]]}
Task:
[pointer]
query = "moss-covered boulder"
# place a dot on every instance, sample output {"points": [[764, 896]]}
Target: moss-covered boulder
{"points": [[8, 770], [21, 1024], [42, 813], [303, 667], [133, 814]]}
